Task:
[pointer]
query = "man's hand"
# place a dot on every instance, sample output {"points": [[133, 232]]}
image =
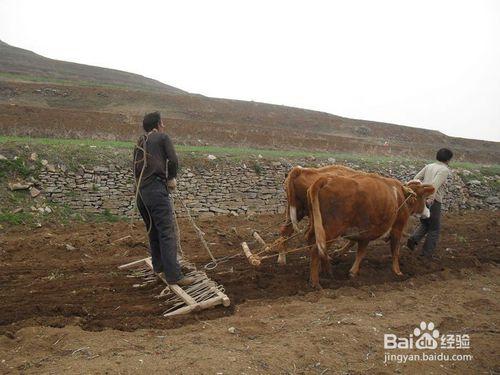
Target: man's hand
{"points": [[172, 184]]}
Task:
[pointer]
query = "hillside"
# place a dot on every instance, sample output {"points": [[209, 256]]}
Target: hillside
{"points": [[21, 64], [48, 98]]}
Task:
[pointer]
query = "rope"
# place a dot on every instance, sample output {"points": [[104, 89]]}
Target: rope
{"points": [[279, 241], [213, 264], [410, 195], [200, 234], [216, 261], [286, 221], [139, 180], [177, 229], [144, 139], [300, 249]]}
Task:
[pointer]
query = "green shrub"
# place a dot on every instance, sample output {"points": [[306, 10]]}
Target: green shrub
{"points": [[15, 218], [14, 168], [257, 168]]}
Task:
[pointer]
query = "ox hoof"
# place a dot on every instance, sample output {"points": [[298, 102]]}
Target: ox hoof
{"points": [[281, 261], [315, 285], [399, 274], [353, 275], [326, 270]]}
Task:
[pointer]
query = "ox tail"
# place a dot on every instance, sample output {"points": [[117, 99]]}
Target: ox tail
{"points": [[319, 230], [292, 199]]}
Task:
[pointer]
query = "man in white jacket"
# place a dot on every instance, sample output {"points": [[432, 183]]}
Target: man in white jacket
{"points": [[435, 174]]}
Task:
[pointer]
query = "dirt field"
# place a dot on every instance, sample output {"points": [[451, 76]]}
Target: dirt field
{"points": [[72, 311]]}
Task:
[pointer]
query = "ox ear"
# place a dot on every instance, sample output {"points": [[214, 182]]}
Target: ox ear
{"points": [[408, 192], [414, 182], [428, 189]]}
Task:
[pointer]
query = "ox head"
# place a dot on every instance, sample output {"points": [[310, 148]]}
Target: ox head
{"points": [[416, 194]]}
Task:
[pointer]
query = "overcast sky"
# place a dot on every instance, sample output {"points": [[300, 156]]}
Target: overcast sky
{"points": [[431, 64]]}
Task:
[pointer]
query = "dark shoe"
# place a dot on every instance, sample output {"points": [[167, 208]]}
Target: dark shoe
{"points": [[410, 244], [185, 281]]}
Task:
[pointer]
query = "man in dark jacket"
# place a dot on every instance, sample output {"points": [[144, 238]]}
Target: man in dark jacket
{"points": [[155, 174]]}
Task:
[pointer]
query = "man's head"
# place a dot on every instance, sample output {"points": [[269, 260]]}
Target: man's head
{"points": [[152, 121], [444, 155]]}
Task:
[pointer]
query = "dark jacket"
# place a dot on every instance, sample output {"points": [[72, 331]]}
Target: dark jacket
{"points": [[161, 160]]}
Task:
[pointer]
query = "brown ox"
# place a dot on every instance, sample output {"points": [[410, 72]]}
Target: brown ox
{"points": [[362, 208], [296, 184]]}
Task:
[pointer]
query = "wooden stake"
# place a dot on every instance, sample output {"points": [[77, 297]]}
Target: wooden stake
{"points": [[188, 300], [257, 236], [253, 259], [121, 239], [259, 239], [132, 264], [199, 306]]}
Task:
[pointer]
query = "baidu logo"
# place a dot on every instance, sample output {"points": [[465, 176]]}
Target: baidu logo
{"points": [[426, 336]]}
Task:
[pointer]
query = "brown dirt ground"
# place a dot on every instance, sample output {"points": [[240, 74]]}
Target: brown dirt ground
{"points": [[73, 311]]}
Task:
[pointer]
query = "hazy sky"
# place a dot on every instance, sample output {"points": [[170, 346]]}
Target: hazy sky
{"points": [[432, 64]]}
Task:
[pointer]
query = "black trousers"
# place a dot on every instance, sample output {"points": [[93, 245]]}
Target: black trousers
{"points": [[429, 228], [156, 210]]}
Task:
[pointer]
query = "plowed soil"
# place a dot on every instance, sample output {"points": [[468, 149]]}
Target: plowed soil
{"points": [[69, 309]]}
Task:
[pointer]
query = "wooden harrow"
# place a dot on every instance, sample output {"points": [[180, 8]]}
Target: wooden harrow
{"points": [[202, 294]]}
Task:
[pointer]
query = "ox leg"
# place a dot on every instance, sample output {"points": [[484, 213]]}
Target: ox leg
{"points": [[326, 266], [282, 258], [314, 271], [395, 246], [360, 254], [282, 252], [286, 231]]}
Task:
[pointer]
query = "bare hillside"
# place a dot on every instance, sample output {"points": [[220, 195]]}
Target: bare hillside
{"points": [[28, 65], [44, 97]]}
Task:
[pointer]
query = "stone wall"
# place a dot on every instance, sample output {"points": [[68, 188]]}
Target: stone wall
{"points": [[223, 187]]}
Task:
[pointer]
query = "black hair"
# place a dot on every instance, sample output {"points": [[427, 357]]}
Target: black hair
{"points": [[151, 121], [444, 155]]}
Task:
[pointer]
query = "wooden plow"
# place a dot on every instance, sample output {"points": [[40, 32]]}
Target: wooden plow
{"points": [[202, 294]]}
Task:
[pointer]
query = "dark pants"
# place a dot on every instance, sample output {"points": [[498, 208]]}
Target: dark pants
{"points": [[156, 210], [429, 228]]}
